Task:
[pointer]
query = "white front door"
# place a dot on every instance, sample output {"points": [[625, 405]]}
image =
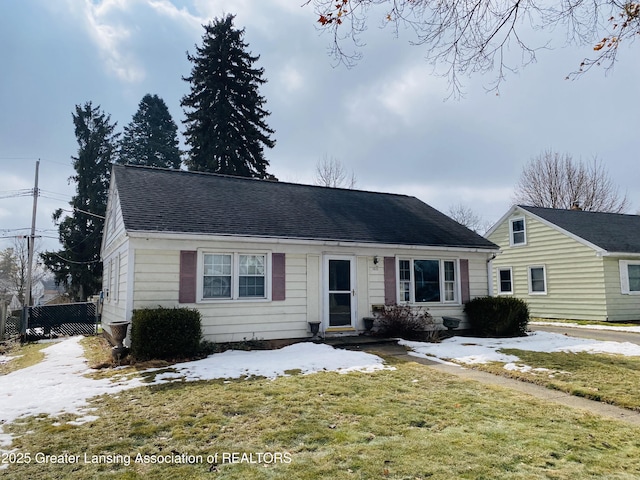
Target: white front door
{"points": [[340, 292]]}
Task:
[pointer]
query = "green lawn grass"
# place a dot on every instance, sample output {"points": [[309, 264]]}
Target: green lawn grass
{"points": [[408, 423], [611, 379], [23, 356]]}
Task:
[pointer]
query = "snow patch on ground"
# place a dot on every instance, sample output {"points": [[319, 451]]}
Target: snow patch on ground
{"points": [[5, 358], [59, 384], [472, 350]]}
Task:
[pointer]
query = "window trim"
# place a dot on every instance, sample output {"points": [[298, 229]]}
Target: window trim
{"points": [[625, 288], [111, 284], [511, 232], [499, 280], [530, 279], [441, 281], [235, 276]]}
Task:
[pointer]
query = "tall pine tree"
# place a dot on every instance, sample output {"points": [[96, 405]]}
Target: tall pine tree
{"points": [[77, 265], [225, 116], [152, 136]]}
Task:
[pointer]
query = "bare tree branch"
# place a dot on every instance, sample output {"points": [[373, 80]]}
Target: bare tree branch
{"points": [[554, 180], [464, 215], [14, 266], [331, 173], [473, 36]]}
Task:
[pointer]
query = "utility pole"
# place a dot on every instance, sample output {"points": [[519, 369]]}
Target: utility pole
{"points": [[31, 243]]}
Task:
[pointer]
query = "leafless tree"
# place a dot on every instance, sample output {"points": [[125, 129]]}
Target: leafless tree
{"points": [[554, 180], [475, 36], [464, 215], [330, 172], [14, 263]]}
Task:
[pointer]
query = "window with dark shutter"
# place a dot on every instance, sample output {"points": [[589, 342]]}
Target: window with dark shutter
{"points": [[278, 284], [389, 280], [188, 272]]}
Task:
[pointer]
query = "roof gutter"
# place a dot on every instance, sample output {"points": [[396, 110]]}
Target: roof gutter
{"points": [[299, 241], [604, 253]]}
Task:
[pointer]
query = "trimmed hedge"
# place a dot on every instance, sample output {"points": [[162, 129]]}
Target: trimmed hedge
{"points": [[165, 333], [498, 316]]}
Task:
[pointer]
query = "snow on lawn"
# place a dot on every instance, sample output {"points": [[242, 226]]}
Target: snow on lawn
{"points": [[4, 359], [306, 357], [58, 384], [471, 350]]}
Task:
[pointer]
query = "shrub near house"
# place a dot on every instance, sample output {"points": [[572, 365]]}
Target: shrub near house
{"points": [[165, 333], [498, 316]]}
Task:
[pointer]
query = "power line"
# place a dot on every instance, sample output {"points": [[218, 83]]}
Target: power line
{"points": [[16, 193], [83, 211], [73, 261]]}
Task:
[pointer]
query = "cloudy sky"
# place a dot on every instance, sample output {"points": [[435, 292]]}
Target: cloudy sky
{"points": [[386, 119]]}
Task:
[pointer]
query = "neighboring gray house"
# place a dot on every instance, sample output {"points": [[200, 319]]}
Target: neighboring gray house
{"points": [[260, 259], [569, 264]]}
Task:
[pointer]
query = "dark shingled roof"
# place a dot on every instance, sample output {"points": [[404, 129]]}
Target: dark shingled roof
{"points": [[159, 200], [613, 232]]}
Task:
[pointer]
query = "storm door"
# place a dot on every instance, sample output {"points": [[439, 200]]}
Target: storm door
{"points": [[340, 292]]}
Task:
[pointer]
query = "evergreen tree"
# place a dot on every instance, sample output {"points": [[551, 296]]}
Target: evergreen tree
{"points": [[152, 136], [77, 265], [225, 118]]}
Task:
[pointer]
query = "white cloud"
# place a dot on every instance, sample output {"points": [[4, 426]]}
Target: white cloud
{"points": [[110, 36], [117, 26], [404, 95], [291, 78], [168, 9]]}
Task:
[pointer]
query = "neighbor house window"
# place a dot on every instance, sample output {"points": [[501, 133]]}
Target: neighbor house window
{"points": [[517, 231], [537, 280], [233, 276], [630, 277], [505, 282], [427, 281]]}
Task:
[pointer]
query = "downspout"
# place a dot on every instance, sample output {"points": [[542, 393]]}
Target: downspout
{"points": [[490, 273]]}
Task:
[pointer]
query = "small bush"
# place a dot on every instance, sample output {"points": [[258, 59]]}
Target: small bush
{"points": [[404, 321], [165, 333], [498, 316]]}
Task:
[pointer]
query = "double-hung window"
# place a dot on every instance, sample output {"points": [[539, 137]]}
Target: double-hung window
{"points": [[234, 276], [505, 282], [630, 277], [427, 281], [517, 231], [537, 280]]}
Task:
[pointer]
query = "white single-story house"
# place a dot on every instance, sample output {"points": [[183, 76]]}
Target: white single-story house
{"points": [[569, 264], [261, 259]]}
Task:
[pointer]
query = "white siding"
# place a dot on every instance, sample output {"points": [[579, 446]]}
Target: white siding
{"points": [[115, 273], [115, 265], [156, 271]]}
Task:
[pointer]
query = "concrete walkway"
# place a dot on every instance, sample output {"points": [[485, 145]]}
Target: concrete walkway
{"points": [[597, 408]]}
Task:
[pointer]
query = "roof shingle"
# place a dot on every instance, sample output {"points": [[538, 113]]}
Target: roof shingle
{"points": [[613, 232], [158, 200]]}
